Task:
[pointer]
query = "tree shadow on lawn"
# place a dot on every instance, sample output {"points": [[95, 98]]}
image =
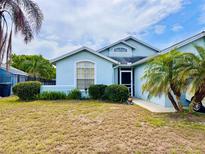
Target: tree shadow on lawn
{"points": [[185, 120]]}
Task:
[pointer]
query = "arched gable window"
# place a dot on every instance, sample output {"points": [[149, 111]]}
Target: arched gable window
{"points": [[85, 74], [120, 49]]}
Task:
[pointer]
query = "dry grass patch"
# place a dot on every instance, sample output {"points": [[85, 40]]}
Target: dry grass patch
{"points": [[95, 127]]}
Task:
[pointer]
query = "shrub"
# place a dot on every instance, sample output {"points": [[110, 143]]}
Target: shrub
{"points": [[97, 91], [52, 96], [74, 94], [27, 90], [117, 93]]}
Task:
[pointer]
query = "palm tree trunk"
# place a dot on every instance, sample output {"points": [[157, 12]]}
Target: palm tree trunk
{"points": [[171, 98], [179, 104], [177, 94], [198, 97]]}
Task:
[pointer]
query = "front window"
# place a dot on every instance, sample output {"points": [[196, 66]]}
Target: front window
{"points": [[85, 74]]}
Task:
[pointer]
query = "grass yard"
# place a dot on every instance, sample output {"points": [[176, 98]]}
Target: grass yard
{"points": [[95, 127]]}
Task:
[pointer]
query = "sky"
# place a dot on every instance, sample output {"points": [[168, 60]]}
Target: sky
{"points": [[70, 24]]}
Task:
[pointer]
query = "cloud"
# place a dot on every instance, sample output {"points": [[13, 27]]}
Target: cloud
{"points": [[176, 28], [95, 23], [159, 29]]}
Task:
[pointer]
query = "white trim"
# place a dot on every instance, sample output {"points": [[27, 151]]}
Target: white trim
{"points": [[131, 85], [116, 43], [58, 85], [141, 42], [80, 50], [185, 42], [177, 45], [75, 72], [124, 41]]}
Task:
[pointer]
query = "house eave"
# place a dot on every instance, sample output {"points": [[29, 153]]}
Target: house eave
{"points": [[175, 46], [142, 42], [55, 60]]}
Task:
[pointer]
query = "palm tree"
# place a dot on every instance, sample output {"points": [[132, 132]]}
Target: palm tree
{"points": [[160, 78], [191, 68], [22, 16], [36, 67]]}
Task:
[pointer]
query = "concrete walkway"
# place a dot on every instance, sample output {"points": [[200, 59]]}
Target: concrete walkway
{"points": [[152, 107]]}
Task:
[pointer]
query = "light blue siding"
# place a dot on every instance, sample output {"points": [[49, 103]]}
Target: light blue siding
{"points": [[116, 75], [163, 100], [138, 73], [190, 47], [105, 52], [141, 50], [56, 88], [5, 77], [8, 78], [61, 88], [66, 69], [113, 53]]}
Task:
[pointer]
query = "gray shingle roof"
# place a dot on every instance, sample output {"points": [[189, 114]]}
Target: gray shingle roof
{"points": [[126, 60]]}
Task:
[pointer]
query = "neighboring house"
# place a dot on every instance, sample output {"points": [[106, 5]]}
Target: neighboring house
{"points": [[8, 78], [122, 62]]}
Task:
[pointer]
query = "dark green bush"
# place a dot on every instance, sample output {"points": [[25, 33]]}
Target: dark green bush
{"points": [[27, 90], [117, 93], [52, 96], [97, 91], [74, 94]]}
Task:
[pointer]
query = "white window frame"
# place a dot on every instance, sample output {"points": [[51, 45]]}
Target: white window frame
{"points": [[75, 72], [120, 48]]}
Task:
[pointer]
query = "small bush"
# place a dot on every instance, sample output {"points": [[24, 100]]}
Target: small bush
{"points": [[117, 93], [97, 91], [74, 94], [52, 96], [27, 90]]}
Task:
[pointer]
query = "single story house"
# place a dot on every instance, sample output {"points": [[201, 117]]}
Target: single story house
{"points": [[122, 62], [8, 78]]}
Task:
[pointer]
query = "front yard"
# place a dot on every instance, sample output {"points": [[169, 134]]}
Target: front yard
{"points": [[95, 127]]}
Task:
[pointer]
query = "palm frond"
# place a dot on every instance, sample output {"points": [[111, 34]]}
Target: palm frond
{"points": [[25, 17]]}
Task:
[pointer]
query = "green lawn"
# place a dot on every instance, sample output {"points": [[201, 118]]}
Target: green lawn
{"points": [[95, 127]]}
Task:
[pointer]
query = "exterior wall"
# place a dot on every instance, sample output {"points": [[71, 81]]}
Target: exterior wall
{"points": [[116, 75], [141, 50], [66, 69], [164, 100], [105, 52], [138, 73], [5, 77], [190, 47], [62, 88], [129, 52]]}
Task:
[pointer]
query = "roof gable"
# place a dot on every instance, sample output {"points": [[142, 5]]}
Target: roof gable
{"points": [[114, 44], [128, 44], [80, 50], [141, 42]]}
